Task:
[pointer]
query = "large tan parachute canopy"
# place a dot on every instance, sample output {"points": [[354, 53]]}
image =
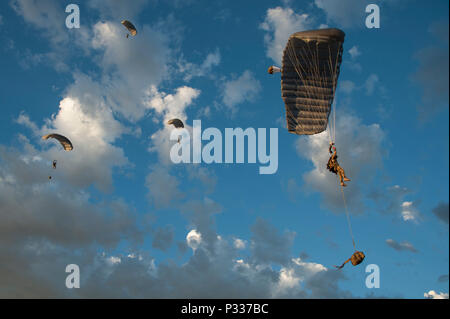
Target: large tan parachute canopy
{"points": [[64, 141], [130, 27], [309, 74], [176, 122]]}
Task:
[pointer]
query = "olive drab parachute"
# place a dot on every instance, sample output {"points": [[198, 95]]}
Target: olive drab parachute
{"points": [[130, 27], [176, 122], [64, 141], [309, 74]]}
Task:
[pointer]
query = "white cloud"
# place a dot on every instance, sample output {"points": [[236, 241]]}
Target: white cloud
{"points": [[279, 24], [130, 66], [410, 212], [434, 295], [168, 106], [193, 239], [245, 88]]}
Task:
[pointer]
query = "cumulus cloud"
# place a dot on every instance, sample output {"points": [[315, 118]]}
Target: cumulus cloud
{"points": [[48, 223], [168, 106], [360, 150], [130, 67], [403, 246], [279, 24], [441, 212], [410, 212], [86, 120], [434, 295], [193, 239], [245, 88]]}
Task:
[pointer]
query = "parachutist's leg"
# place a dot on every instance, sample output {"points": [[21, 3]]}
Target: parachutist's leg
{"points": [[341, 175], [346, 179], [341, 266]]}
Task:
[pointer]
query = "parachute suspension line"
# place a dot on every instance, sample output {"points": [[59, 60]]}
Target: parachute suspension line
{"points": [[292, 57], [348, 217], [334, 75]]}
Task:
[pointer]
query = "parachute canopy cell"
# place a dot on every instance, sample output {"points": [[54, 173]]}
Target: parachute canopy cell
{"points": [[310, 70], [64, 141], [130, 27], [176, 122]]}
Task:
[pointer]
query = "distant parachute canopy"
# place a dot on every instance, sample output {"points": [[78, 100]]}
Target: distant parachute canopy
{"points": [[309, 74], [176, 122], [64, 141], [130, 27]]}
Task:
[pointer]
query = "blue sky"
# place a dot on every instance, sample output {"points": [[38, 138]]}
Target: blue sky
{"points": [[141, 226]]}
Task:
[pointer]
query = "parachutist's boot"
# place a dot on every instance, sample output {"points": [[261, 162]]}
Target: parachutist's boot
{"points": [[343, 184], [346, 179]]}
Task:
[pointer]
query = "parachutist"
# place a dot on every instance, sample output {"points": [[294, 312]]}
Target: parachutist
{"points": [[356, 259], [54, 164], [130, 27], [334, 167]]}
